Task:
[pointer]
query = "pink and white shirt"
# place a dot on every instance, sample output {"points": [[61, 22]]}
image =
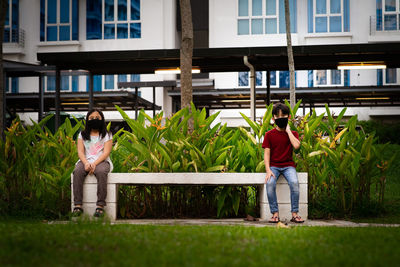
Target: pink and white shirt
{"points": [[95, 147]]}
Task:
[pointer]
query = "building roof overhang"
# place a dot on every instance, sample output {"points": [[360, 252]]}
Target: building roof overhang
{"points": [[306, 57]]}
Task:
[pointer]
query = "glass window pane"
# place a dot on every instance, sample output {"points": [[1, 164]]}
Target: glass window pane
{"points": [[51, 83], [335, 6], [243, 26], [135, 9], [258, 78], [335, 24], [135, 30], [109, 31], [346, 77], [65, 33], [284, 79], [293, 16], [271, 7], [52, 33], [335, 76], [379, 77], [109, 82], [75, 83], [109, 10], [390, 22], [42, 20], [391, 75], [346, 15], [310, 15], [51, 11], [97, 83], [122, 78], [243, 7], [321, 24], [256, 26], [390, 5], [310, 78], [75, 20], [321, 6], [64, 11], [64, 82], [272, 75], [14, 85], [378, 15], [256, 8], [7, 21], [135, 77], [122, 31], [270, 26], [243, 78], [93, 19], [122, 10], [321, 77], [6, 37]]}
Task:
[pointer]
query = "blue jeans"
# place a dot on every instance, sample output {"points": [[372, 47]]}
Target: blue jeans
{"points": [[290, 175]]}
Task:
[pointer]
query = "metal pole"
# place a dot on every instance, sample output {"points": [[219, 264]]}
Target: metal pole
{"points": [[268, 87], [136, 103], [91, 102], [252, 88], [57, 100], [154, 101], [3, 135], [41, 104]]}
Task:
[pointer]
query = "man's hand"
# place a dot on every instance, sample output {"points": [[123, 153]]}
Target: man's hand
{"points": [[268, 176], [288, 128]]}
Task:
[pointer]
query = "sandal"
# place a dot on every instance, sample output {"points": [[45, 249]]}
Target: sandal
{"points": [[77, 212], [274, 219], [297, 219], [99, 212]]}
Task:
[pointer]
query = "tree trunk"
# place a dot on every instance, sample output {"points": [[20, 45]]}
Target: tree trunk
{"points": [[290, 56], [186, 53], [3, 10]]}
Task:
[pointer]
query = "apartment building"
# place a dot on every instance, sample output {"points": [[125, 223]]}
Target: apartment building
{"points": [[33, 27]]}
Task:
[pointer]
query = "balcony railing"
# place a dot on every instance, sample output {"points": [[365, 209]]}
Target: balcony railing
{"points": [[373, 26], [16, 37]]}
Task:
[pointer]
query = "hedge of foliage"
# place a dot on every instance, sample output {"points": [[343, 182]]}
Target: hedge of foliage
{"points": [[347, 172]]}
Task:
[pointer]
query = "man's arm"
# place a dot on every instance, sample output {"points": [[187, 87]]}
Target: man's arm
{"points": [[293, 140], [267, 154]]}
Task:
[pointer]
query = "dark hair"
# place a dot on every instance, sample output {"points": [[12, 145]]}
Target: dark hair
{"points": [[282, 107], [103, 130]]}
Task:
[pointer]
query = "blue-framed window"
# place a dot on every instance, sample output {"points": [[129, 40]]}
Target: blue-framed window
{"points": [[244, 78], [272, 78], [59, 20], [11, 23], [328, 78], [265, 17], [387, 15], [387, 77], [113, 19], [68, 83], [328, 16], [12, 85]]}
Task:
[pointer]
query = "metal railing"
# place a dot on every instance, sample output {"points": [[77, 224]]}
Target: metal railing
{"points": [[17, 36]]}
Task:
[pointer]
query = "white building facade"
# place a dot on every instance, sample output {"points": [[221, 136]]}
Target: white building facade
{"points": [[34, 26]]}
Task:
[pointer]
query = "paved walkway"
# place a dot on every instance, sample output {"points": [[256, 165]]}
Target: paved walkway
{"points": [[337, 223]]}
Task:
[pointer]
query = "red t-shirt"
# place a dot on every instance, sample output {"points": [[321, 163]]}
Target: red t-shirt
{"points": [[281, 148]]}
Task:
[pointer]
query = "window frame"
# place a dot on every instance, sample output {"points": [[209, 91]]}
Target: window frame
{"points": [[328, 79], [396, 13], [263, 17], [328, 16], [58, 24], [70, 80]]}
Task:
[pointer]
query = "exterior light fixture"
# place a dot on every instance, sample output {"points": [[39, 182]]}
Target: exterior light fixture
{"points": [[361, 65], [74, 103], [372, 98], [174, 71]]}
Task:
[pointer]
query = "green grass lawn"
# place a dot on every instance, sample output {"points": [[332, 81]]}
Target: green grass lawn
{"points": [[90, 244]]}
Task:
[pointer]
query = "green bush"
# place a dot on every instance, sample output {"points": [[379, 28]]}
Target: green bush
{"points": [[343, 167], [384, 132]]}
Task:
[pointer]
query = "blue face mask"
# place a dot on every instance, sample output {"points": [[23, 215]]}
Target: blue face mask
{"points": [[282, 122]]}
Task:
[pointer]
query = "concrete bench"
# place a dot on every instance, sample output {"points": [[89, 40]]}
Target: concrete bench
{"points": [[214, 179]]}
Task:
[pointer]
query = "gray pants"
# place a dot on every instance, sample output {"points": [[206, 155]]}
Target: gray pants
{"points": [[101, 173]]}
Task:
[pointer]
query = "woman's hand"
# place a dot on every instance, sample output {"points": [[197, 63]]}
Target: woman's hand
{"points": [[87, 166], [92, 167]]}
